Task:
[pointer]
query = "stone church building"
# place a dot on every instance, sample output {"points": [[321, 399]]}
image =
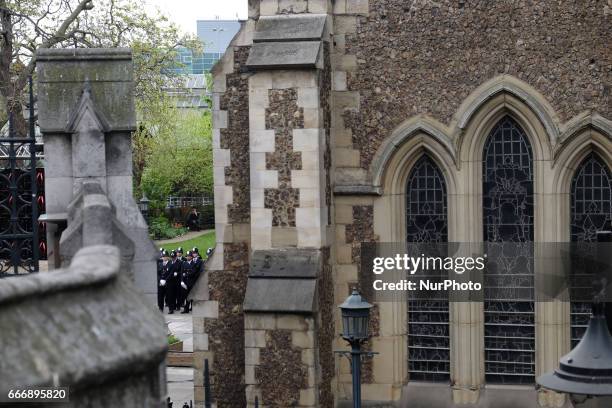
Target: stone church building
{"points": [[338, 122]]}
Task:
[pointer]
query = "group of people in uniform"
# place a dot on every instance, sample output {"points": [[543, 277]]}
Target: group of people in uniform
{"points": [[176, 276]]}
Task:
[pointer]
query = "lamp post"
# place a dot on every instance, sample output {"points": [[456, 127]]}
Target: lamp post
{"points": [[586, 371], [355, 318], [143, 206]]}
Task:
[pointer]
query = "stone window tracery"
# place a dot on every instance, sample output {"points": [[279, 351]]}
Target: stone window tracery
{"points": [[428, 320], [591, 211], [508, 224]]}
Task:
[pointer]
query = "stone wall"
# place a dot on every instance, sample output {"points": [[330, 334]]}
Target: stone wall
{"points": [[280, 360], [218, 318], [85, 326], [424, 57]]}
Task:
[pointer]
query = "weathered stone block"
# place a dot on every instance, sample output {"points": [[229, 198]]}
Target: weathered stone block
{"points": [[319, 6], [292, 6], [62, 73], [302, 339], [305, 27], [255, 338], [298, 54], [259, 321], [280, 295], [308, 397], [291, 322], [283, 237], [251, 356], [207, 310]]}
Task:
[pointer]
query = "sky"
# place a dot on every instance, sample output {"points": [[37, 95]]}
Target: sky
{"points": [[185, 13]]}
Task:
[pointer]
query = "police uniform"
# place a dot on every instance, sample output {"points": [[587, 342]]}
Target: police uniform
{"points": [[163, 274], [188, 271], [173, 284]]}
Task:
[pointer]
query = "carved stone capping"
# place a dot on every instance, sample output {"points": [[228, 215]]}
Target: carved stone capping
{"points": [[286, 263], [84, 328], [61, 73], [280, 55], [92, 221], [296, 27], [283, 281], [288, 41]]}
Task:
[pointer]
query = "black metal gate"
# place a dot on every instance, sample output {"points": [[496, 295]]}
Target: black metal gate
{"points": [[20, 201]]}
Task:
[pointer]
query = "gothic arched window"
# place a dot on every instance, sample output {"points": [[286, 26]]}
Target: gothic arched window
{"points": [[591, 211], [508, 223], [427, 221]]}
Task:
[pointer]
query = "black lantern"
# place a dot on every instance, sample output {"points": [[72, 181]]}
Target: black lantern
{"points": [[586, 371], [355, 317], [143, 206]]}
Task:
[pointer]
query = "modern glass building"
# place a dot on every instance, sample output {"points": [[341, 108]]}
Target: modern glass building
{"points": [[215, 36]]}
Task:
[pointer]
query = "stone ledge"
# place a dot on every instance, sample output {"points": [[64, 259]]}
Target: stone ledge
{"points": [[278, 55], [91, 266], [280, 295], [77, 54], [297, 27]]}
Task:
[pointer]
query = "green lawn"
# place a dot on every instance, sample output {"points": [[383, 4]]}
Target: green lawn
{"points": [[203, 242]]}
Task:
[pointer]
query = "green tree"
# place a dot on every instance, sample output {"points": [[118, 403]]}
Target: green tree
{"points": [[26, 26], [179, 160]]}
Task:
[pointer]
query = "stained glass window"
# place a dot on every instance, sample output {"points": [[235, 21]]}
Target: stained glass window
{"points": [[426, 222], [508, 223], [591, 211]]}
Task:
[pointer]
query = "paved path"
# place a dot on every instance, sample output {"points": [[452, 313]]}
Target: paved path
{"points": [[181, 325], [180, 379], [187, 236], [180, 385]]}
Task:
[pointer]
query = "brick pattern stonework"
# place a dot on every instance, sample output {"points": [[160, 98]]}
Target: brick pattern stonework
{"points": [[283, 115], [281, 360], [236, 137], [324, 104], [426, 57], [326, 330], [281, 372], [226, 333], [362, 230]]}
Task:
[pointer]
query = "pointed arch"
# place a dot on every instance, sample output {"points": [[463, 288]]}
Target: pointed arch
{"points": [[522, 92], [590, 199], [419, 127]]}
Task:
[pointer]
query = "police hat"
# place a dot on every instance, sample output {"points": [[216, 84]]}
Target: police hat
{"points": [[179, 250], [161, 249], [173, 254], [195, 250], [165, 253], [189, 253]]}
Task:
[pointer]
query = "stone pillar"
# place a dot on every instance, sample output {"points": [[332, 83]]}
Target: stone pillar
{"points": [[86, 115], [289, 298]]}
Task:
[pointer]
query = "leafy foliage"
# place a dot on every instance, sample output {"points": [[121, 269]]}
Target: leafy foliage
{"points": [[179, 156], [160, 228], [26, 26]]}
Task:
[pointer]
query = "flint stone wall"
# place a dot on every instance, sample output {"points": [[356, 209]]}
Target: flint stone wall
{"points": [[425, 57]]}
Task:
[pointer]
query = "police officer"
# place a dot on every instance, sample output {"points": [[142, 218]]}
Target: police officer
{"points": [[173, 284], [188, 270], [179, 252], [199, 264], [163, 274]]}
